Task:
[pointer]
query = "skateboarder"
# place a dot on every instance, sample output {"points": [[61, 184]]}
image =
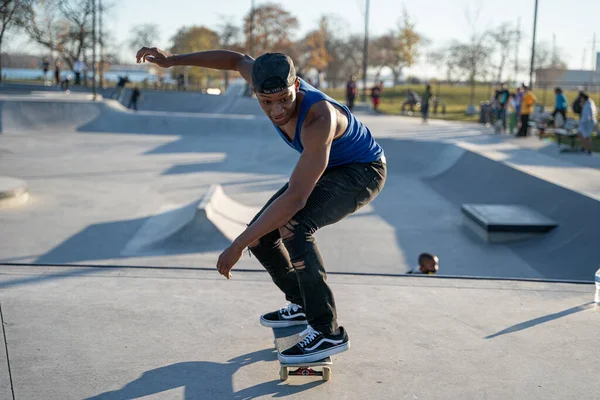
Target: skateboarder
{"points": [[341, 168]]}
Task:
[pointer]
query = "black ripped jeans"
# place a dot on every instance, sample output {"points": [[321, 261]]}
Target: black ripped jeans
{"points": [[294, 263]]}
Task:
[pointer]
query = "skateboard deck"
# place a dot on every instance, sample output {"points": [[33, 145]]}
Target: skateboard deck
{"points": [[284, 338]]}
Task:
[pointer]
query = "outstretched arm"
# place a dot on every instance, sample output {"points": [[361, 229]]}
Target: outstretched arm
{"points": [[317, 136], [214, 59]]}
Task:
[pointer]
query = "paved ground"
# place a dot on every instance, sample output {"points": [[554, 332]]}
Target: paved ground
{"points": [[114, 333], [97, 173], [101, 177]]}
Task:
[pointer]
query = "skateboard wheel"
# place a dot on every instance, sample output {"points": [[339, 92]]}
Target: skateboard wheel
{"points": [[326, 373], [283, 373]]}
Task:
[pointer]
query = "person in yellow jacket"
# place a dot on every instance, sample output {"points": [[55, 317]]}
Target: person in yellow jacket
{"points": [[529, 101]]}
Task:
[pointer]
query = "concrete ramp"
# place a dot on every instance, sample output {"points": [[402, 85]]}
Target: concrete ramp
{"points": [[41, 115], [571, 249], [209, 224], [67, 115], [117, 119]]}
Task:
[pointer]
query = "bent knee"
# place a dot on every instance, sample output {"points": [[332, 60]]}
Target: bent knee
{"points": [[288, 231], [268, 240]]}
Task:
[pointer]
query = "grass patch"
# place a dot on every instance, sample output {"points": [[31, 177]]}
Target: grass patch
{"points": [[567, 141]]}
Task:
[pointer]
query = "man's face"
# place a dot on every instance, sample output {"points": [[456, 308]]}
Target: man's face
{"points": [[280, 107]]}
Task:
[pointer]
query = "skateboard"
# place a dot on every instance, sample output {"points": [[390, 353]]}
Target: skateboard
{"points": [[283, 339]]}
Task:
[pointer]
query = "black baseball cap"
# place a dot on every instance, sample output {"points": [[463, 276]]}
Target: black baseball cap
{"points": [[272, 73]]}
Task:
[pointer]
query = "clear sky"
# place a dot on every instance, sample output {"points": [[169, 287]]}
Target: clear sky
{"points": [[440, 20]]}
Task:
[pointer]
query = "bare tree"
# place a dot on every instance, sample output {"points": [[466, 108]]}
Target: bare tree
{"points": [[78, 14], [503, 37], [143, 35], [230, 38], [547, 57], [397, 49], [444, 59], [62, 26], [346, 61], [44, 24], [343, 52], [548, 64], [472, 58], [12, 14]]}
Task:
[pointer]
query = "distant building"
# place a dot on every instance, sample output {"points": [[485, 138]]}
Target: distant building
{"points": [[570, 78]]}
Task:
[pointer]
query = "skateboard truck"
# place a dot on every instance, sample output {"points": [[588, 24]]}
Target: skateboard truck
{"points": [[325, 373]]}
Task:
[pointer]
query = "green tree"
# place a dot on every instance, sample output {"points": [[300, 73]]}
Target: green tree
{"points": [[397, 49], [190, 40], [503, 37], [316, 46], [270, 28]]}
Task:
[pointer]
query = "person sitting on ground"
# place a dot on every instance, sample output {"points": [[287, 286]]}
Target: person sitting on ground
{"points": [[428, 264]]}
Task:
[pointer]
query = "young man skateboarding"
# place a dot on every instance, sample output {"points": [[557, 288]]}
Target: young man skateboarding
{"points": [[341, 168]]}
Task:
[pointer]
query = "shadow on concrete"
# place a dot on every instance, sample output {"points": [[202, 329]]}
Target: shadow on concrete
{"points": [[537, 321], [109, 240], [95, 242], [206, 380]]}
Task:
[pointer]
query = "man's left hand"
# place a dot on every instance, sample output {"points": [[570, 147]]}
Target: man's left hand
{"points": [[228, 258]]}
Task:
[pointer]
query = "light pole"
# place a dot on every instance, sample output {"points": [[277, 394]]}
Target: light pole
{"points": [[251, 46], [533, 45], [101, 39], [366, 52], [248, 90], [94, 48]]}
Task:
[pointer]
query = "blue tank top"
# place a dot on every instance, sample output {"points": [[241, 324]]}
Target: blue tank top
{"points": [[355, 145]]}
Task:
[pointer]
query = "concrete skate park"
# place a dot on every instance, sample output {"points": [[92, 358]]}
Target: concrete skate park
{"points": [[112, 222]]}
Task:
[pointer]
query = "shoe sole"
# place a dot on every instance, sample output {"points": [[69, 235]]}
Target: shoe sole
{"points": [[313, 357], [281, 324]]}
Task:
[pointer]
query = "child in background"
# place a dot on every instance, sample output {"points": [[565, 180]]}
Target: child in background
{"points": [[428, 264]]}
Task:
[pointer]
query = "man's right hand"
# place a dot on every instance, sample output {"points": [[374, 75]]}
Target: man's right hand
{"points": [[155, 56]]}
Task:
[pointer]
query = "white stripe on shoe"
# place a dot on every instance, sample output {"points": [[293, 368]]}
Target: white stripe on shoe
{"points": [[333, 342], [292, 316], [316, 356]]}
